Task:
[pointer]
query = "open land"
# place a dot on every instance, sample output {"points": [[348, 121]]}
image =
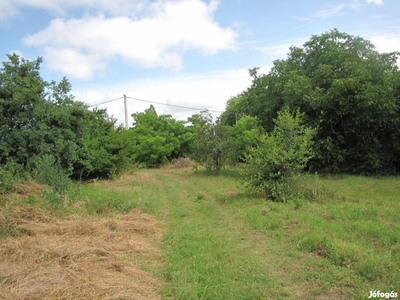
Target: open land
{"points": [[173, 233]]}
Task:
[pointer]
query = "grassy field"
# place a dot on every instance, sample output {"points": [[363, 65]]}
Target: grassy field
{"points": [[215, 241]]}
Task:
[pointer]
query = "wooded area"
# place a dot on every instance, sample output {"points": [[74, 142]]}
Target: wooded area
{"points": [[332, 105]]}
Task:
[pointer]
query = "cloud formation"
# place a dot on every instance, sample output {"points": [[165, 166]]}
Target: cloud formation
{"points": [[9, 9], [386, 42], [156, 37], [375, 1], [334, 11]]}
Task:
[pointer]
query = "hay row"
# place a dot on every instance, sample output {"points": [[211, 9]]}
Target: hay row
{"points": [[82, 258]]}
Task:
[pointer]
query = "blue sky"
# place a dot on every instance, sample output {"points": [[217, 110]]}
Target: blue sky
{"points": [[191, 53]]}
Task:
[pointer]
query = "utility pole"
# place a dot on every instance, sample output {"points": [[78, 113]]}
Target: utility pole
{"points": [[126, 113]]}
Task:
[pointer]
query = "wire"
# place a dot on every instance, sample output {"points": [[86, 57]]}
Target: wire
{"points": [[179, 106], [154, 102], [106, 102]]}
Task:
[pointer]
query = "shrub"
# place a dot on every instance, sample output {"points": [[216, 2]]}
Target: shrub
{"points": [[10, 174], [49, 171], [6, 181], [272, 167]]}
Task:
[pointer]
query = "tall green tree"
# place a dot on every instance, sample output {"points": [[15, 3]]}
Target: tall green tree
{"points": [[21, 99], [244, 134], [348, 92], [234, 111], [109, 149], [158, 139], [41, 120]]}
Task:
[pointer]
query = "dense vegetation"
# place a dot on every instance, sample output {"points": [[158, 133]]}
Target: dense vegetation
{"points": [[40, 119], [349, 93], [333, 104]]}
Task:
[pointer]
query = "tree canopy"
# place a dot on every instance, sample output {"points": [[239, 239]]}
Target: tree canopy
{"points": [[347, 90], [347, 93], [158, 139], [39, 118]]}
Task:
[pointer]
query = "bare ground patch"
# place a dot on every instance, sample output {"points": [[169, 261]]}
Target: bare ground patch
{"points": [[82, 257]]}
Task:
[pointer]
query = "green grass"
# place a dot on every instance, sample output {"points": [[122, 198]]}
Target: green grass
{"points": [[207, 256], [222, 243]]}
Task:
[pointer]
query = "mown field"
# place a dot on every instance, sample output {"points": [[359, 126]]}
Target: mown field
{"points": [[173, 233]]}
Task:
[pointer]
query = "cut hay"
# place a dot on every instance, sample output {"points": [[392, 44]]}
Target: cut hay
{"points": [[82, 258]]}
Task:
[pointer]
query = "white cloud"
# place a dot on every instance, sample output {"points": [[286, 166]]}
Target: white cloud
{"points": [[10, 8], [159, 39], [280, 50], [375, 1], [18, 52], [333, 11], [73, 63], [7, 10], [386, 42]]}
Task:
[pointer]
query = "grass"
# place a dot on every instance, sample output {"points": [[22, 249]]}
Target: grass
{"points": [[221, 243], [207, 257], [85, 246]]}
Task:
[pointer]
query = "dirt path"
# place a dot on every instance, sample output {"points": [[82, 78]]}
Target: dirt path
{"points": [[218, 254]]}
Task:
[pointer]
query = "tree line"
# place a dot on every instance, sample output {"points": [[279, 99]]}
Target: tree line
{"points": [[332, 104], [347, 91]]}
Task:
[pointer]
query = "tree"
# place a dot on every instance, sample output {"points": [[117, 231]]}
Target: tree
{"points": [[210, 141], [21, 98], [234, 110], [347, 91], [109, 150], [158, 139], [40, 121], [38, 118], [242, 136]]}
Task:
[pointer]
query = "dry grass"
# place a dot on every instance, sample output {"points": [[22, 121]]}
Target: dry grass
{"points": [[136, 181], [181, 162], [24, 190], [81, 258]]}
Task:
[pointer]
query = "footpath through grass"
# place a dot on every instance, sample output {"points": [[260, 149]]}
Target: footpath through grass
{"points": [[221, 243]]}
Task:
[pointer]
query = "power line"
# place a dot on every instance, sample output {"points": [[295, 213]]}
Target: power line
{"points": [[106, 102], [179, 106], [154, 102]]}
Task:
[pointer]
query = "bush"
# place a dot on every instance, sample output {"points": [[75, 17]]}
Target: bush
{"points": [[49, 171], [6, 181], [10, 175], [272, 167]]}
